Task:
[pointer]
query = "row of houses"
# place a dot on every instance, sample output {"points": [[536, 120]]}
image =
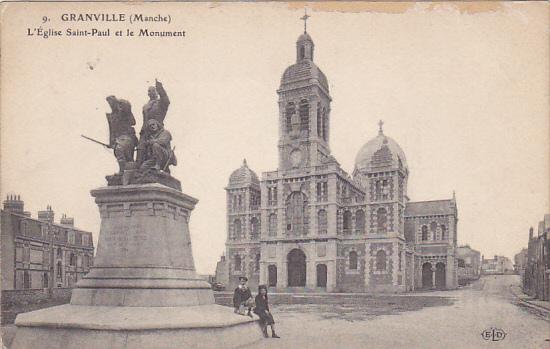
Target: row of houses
{"points": [[38, 253], [533, 263]]}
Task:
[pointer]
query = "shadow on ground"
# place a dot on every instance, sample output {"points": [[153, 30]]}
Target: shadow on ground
{"points": [[361, 308]]}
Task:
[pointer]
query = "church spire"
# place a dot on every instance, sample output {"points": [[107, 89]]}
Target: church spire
{"points": [[380, 124], [304, 18], [304, 45]]}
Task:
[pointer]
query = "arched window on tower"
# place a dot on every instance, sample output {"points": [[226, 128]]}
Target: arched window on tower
{"points": [[319, 121], [238, 263], [353, 260], [302, 52], [382, 220], [347, 221], [433, 230], [424, 233], [289, 111], [325, 124], [360, 221], [273, 224], [444, 232], [304, 115], [254, 229], [322, 222], [296, 220], [381, 260], [237, 229]]}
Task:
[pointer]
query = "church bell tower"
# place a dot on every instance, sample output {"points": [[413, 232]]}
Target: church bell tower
{"points": [[304, 110]]}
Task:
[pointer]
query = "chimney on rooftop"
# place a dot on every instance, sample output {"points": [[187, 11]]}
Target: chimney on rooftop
{"points": [[13, 203], [66, 220], [46, 215]]}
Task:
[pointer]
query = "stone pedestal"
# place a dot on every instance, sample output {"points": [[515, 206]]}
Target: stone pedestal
{"points": [[142, 291]]}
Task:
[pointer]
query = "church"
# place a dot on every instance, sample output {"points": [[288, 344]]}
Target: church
{"points": [[310, 226]]}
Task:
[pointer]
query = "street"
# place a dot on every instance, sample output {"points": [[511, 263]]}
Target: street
{"points": [[488, 303]]}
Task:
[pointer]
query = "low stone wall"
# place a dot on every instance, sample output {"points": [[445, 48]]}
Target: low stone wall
{"points": [[21, 301], [34, 295]]}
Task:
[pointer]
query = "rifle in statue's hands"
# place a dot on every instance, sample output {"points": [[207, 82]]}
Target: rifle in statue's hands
{"points": [[98, 142]]}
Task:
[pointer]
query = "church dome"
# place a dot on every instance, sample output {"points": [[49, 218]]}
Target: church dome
{"points": [[243, 176], [381, 151]]}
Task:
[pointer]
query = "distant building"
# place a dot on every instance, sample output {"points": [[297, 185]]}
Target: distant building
{"points": [[497, 265], [469, 264], [536, 281], [520, 262], [37, 253], [309, 224]]}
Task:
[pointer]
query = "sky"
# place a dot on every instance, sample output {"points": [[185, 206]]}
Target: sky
{"points": [[463, 90]]}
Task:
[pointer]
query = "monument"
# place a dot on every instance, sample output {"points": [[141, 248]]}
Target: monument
{"points": [[143, 291]]}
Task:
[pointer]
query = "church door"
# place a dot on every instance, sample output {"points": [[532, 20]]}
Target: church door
{"points": [[427, 275], [272, 275], [321, 275], [296, 268], [440, 276]]}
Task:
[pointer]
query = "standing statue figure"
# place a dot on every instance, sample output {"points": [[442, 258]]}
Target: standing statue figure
{"points": [[155, 109], [122, 136], [158, 154]]}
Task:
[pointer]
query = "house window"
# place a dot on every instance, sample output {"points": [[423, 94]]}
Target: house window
{"points": [[26, 279], [353, 260], [381, 260], [444, 232], [72, 259]]}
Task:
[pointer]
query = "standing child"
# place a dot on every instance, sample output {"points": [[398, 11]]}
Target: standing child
{"points": [[262, 309]]}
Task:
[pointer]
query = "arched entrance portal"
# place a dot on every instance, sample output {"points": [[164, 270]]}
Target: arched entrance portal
{"points": [[296, 268], [321, 275], [440, 276], [272, 275], [427, 275]]}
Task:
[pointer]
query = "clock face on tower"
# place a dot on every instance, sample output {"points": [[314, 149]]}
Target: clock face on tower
{"points": [[296, 157]]}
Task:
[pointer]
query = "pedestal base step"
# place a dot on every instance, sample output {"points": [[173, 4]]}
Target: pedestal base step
{"points": [[80, 327]]}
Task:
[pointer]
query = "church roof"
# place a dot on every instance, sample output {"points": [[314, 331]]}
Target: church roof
{"points": [[304, 70], [380, 151], [429, 208], [243, 176]]}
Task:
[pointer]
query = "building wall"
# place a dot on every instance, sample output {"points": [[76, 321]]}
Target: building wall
{"points": [[27, 253]]}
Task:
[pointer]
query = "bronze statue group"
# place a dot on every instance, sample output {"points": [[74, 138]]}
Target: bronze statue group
{"points": [[244, 304], [153, 147]]}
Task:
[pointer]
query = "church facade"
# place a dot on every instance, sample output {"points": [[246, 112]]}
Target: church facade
{"points": [[310, 225]]}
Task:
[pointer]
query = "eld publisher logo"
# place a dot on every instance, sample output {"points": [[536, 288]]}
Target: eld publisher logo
{"points": [[493, 334]]}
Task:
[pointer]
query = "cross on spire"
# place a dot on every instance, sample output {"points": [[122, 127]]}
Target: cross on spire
{"points": [[380, 124], [304, 18]]}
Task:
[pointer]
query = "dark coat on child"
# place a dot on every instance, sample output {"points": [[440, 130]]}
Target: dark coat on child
{"points": [[262, 310], [241, 295]]}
